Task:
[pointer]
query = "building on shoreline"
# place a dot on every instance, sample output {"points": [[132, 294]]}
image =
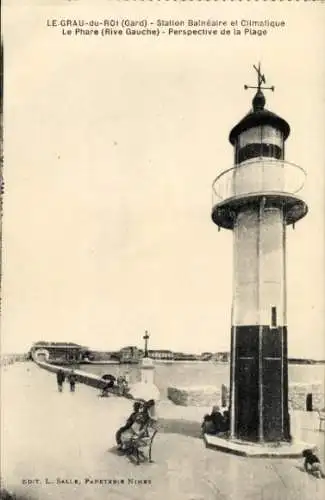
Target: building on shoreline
{"points": [[58, 352], [161, 354], [129, 354]]}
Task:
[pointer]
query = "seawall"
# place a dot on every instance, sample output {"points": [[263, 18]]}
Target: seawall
{"points": [[82, 377], [301, 395]]}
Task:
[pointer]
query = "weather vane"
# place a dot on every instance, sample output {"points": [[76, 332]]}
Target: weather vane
{"points": [[260, 79]]}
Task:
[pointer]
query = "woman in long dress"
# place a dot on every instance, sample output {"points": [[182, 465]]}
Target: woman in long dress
{"points": [[137, 430]]}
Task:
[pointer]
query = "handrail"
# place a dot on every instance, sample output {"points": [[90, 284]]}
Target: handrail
{"points": [[257, 163]]}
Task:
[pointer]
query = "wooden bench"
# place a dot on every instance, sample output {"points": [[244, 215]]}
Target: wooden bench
{"points": [[321, 416]]}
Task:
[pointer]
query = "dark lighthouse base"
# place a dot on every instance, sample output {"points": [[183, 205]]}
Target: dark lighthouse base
{"points": [[259, 384]]}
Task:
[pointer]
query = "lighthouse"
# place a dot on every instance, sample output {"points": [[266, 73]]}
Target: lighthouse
{"points": [[258, 198]]}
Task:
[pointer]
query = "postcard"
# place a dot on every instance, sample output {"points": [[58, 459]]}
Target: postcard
{"points": [[162, 267]]}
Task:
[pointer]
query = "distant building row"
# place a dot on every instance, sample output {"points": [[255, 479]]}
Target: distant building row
{"points": [[68, 352], [133, 353]]}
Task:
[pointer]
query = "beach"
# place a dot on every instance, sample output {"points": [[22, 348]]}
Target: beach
{"points": [[64, 445]]}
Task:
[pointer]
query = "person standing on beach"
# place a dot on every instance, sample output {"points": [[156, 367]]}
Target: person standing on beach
{"points": [[72, 381], [121, 384], [127, 378], [60, 378]]}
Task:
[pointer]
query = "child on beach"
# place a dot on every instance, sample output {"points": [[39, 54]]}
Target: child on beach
{"points": [[72, 380], [312, 464]]}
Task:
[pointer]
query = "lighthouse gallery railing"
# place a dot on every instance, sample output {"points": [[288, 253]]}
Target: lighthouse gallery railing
{"points": [[256, 176]]}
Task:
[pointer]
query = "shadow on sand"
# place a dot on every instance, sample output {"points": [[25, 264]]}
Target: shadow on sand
{"points": [[180, 426], [115, 451]]}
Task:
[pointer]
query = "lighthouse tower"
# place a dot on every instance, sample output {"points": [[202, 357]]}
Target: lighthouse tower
{"points": [[258, 198]]}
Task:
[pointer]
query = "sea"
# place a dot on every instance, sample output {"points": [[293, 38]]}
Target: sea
{"points": [[192, 373]]}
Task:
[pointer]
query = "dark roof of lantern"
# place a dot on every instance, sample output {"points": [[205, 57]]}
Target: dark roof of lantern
{"points": [[259, 116]]}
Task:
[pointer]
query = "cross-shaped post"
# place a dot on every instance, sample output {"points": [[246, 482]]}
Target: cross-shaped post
{"points": [[146, 338]]}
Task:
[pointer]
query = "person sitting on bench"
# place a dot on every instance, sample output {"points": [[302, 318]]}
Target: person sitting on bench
{"points": [[217, 419], [109, 384], [213, 423], [137, 438], [130, 421]]}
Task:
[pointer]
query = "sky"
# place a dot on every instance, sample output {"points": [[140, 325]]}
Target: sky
{"points": [[111, 146]]}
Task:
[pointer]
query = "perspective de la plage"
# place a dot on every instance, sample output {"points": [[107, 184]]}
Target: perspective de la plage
{"points": [[169, 27]]}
